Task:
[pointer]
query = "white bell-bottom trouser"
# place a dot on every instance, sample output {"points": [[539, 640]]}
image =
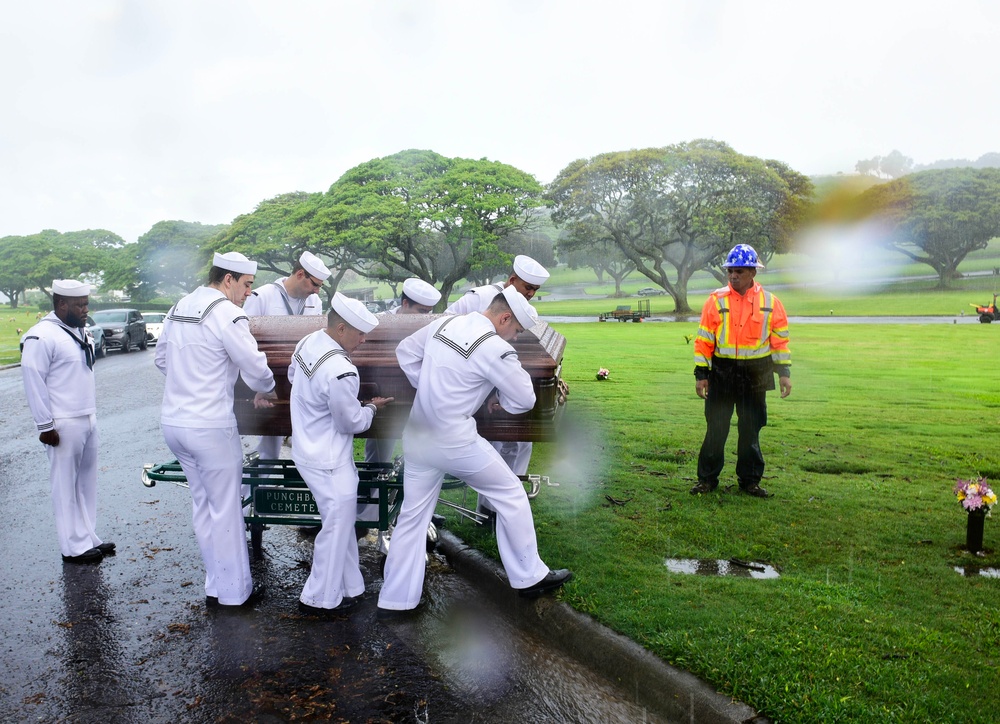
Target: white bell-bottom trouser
{"points": [[483, 470], [376, 451], [212, 460], [335, 571], [73, 481], [517, 455]]}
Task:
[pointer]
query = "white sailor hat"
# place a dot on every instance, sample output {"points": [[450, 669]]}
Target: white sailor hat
{"points": [[421, 292], [235, 262], [70, 288], [529, 270], [313, 266], [526, 315], [354, 313]]}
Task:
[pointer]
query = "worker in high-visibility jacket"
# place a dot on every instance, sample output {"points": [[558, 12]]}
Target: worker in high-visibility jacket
{"points": [[742, 341]]}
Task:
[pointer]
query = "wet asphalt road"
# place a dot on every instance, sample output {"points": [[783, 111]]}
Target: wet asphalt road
{"points": [[130, 639]]}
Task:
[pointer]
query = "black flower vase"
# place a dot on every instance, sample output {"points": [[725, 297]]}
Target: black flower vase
{"points": [[974, 530]]}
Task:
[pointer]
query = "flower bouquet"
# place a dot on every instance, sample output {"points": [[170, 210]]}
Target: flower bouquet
{"points": [[975, 494], [976, 497], [602, 374]]}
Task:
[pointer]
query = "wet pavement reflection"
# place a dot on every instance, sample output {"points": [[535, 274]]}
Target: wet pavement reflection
{"points": [[130, 639]]}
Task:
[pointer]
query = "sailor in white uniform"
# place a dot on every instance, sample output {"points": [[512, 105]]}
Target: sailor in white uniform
{"points": [[527, 278], [205, 344], [292, 296], [57, 359], [455, 364], [418, 297], [326, 414]]}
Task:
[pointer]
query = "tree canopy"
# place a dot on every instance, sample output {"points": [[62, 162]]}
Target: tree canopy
{"points": [[674, 210], [938, 217], [28, 262], [417, 213], [171, 255]]}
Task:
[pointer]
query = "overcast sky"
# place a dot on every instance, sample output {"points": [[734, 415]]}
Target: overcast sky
{"points": [[117, 114]]}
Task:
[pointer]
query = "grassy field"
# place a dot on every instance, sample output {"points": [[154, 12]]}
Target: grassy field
{"points": [[869, 621]]}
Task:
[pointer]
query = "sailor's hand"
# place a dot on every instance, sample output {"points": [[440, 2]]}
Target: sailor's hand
{"points": [[264, 399], [562, 392], [49, 437], [493, 405], [380, 402]]}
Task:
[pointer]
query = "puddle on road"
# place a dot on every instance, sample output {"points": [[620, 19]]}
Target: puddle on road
{"points": [[721, 567], [971, 571]]}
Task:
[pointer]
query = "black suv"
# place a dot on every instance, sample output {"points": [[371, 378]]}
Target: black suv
{"points": [[123, 328]]}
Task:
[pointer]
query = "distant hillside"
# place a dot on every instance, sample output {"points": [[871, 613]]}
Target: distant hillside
{"points": [[987, 160]]}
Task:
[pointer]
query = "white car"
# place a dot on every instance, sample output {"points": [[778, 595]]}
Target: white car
{"points": [[154, 325]]}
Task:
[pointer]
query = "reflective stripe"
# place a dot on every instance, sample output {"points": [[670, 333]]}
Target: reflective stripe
{"points": [[700, 361], [743, 352], [706, 334], [765, 307]]}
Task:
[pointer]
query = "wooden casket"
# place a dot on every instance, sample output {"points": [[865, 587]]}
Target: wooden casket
{"points": [[540, 350]]}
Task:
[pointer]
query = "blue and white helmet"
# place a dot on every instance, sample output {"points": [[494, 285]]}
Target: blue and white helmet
{"points": [[742, 255]]}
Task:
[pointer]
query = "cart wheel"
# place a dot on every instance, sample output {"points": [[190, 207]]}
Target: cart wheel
{"points": [[257, 540], [985, 318]]}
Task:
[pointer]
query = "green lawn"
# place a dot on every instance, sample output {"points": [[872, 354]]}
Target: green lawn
{"points": [[868, 621]]}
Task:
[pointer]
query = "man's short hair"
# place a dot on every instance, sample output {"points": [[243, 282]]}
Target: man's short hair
{"points": [[216, 274], [499, 305]]}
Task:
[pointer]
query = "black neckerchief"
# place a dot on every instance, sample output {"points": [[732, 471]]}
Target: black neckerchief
{"points": [[88, 350]]}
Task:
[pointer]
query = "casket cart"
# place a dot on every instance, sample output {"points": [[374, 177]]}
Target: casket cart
{"points": [[276, 493]]}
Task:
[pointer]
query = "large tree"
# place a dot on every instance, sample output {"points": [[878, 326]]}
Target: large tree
{"points": [[29, 262], [938, 217], [171, 256], [585, 244], [277, 232], [18, 255], [675, 210], [417, 213]]}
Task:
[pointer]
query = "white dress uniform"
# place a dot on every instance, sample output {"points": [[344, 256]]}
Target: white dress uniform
{"points": [[516, 454], [272, 299], [205, 344], [326, 414], [454, 365], [59, 384]]}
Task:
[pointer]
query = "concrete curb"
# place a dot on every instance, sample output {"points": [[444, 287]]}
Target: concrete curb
{"points": [[669, 692]]}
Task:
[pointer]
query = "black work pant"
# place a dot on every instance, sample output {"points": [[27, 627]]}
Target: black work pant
{"points": [[751, 413]]}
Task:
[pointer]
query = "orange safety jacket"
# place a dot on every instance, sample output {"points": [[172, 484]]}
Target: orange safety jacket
{"points": [[749, 327]]}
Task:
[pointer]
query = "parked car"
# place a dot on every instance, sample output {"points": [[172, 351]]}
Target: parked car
{"points": [[650, 291], [97, 332], [123, 328], [154, 325]]}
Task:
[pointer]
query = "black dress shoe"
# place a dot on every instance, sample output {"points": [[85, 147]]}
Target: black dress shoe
{"points": [[396, 614], [550, 583], [346, 603], [94, 555], [254, 597], [107, 548]]}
